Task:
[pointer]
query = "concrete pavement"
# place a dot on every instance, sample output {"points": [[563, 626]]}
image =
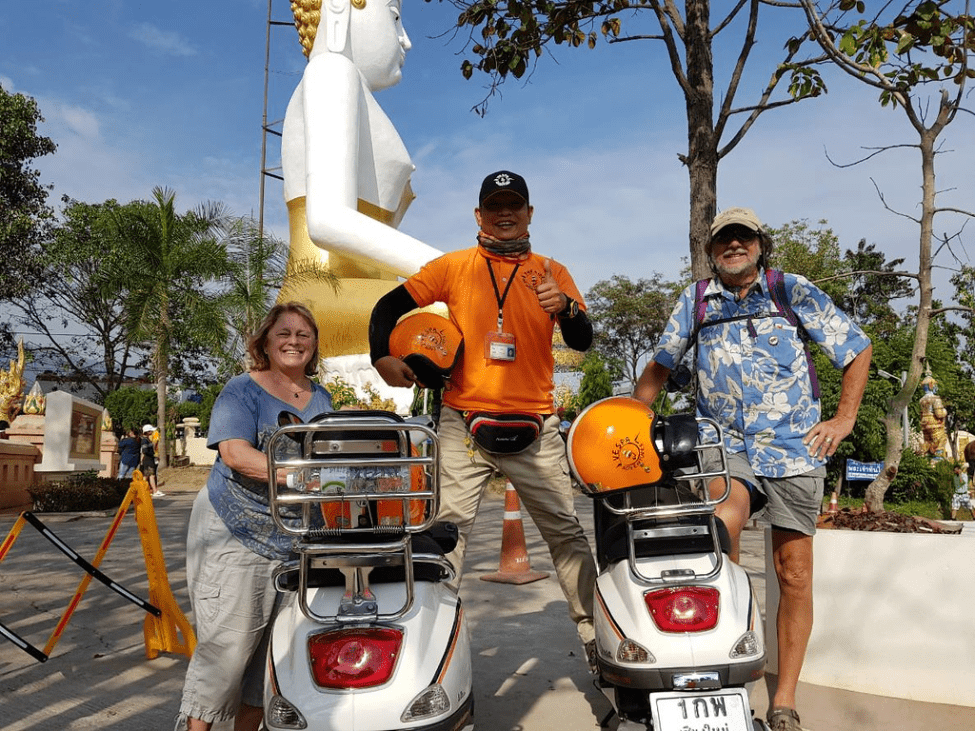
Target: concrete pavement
{"points": [[528, 667]]}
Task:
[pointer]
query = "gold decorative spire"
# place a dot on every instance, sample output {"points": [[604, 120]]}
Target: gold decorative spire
{"points": [[35, 402], [12, 385]]}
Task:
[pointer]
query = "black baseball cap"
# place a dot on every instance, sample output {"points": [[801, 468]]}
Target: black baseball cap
{"points": [[501, 181]]}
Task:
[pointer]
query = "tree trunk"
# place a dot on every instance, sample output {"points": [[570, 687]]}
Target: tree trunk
{"points": [[702, 145], [162, 378], [878, 488], [162, 382]]}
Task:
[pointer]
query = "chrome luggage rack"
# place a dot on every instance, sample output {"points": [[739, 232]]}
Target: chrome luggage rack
{"points": [[680, 494], [354, 466]]}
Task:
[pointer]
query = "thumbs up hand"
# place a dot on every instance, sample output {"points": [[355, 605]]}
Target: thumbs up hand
{"points": [[550, 297]]}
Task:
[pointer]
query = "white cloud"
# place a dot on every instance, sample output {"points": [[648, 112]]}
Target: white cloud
{"points": [[81, 122], [166, 42]]}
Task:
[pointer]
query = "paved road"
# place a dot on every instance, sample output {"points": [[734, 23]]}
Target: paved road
{"points": [[529, 670]]}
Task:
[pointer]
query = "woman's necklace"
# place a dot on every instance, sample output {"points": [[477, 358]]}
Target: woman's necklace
{"points": [[290, 386]]}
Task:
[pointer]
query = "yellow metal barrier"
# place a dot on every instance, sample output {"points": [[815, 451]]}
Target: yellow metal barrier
{"points": [[162, 632], [164, 622]]}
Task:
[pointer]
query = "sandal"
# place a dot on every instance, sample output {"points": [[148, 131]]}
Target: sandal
{"points": [[783, 719], [591, 657]]}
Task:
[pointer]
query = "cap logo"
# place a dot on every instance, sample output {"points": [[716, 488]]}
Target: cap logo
{"points": [[502, 180]]}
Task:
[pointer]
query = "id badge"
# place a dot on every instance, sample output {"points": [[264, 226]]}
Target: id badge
{"points": [[499, 346]]}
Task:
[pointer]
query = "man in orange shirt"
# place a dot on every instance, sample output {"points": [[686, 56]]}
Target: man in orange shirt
{"points": [[506, 301]]}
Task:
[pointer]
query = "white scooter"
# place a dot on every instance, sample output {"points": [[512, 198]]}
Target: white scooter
{"points": [[679, 638], [370, 638]]}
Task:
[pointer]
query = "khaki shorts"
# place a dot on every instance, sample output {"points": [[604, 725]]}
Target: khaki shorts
{"points": [[234, 604], [787, 503]]}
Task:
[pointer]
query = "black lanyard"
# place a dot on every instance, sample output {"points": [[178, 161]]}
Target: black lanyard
{"points": [[497, 294]]}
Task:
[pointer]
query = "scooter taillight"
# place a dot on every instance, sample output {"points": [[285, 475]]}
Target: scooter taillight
{"points": [[683, 609], [354, 658]]}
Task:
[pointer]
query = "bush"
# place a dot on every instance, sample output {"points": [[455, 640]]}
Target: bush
{"points": [[78, 493], [344, 395], [131, 408], [201, 410], [917, 479]]}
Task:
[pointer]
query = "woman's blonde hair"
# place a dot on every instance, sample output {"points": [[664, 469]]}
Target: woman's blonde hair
{"points": [[308, 14], [257, 346]]}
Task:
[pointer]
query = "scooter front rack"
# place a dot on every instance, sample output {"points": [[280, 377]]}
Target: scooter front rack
{"points": [[355, 493], [353, 467], [682, 494]]}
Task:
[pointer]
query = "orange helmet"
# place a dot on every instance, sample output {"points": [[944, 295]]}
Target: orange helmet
{"points": [[611, 446], [429, 344]]}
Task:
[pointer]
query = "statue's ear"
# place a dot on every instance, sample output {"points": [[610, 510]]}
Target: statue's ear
{"points": [[337, 17]]}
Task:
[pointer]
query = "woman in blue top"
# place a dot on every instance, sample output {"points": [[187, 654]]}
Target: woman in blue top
{"points": [[233, 545], [128, 448]]}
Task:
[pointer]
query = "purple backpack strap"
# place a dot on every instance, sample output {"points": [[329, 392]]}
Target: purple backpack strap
{"points": [[700, 306], [776, 287]]}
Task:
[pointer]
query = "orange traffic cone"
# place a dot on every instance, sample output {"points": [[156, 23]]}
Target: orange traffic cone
{"points": [[515, 567], [833, 505]]}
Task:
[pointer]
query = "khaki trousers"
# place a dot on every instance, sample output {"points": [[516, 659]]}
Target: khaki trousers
{"points": [[540, 475]]}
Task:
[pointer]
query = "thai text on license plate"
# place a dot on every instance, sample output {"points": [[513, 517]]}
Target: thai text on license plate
{"points": [[720, 710]]}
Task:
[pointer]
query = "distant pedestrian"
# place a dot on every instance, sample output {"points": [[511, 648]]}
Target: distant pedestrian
{"points": [[129, 448], [148, 465], [962, 497], [970, 459]]}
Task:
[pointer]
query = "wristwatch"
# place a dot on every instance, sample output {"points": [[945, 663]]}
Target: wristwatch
{"points": [[571, 308]]}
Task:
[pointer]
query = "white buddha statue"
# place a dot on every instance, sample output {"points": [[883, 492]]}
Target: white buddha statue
{"points": [[347, 173]]}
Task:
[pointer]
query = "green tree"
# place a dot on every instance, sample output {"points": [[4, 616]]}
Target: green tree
{"points": [[962, 335], [130, 408], [875, 284], [917, 57], [174, 262], [256, 272], [812, 252], [24, 213], [68, 297], [628, 319], [597, 381], [258, 267], [506, 35]]}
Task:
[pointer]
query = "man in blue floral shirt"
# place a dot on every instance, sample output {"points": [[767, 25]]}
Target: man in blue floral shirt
{"points": [[754, 379]]}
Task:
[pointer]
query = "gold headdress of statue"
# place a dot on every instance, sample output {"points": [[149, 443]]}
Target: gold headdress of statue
{"points": [[308, 16]]}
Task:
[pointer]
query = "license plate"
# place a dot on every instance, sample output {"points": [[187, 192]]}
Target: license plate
{"points": [[718, 710]]}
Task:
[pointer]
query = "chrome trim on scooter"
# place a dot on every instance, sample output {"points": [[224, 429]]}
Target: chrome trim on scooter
{"points": [[344, 446], [696, 681]]}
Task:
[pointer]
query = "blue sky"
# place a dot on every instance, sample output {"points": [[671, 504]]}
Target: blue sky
{"points": [[138, 94]]}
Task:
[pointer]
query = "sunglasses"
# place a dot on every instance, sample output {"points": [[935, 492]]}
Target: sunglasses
{"points": [[735, 233]]}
